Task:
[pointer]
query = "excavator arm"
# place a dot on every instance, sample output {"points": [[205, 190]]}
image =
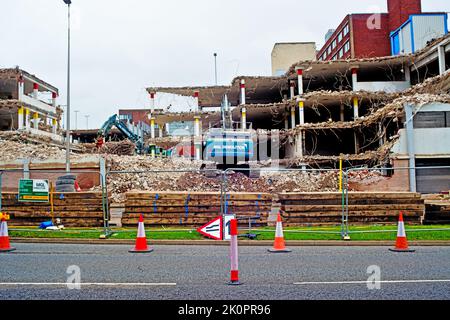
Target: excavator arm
{"points": [[114, 121]]}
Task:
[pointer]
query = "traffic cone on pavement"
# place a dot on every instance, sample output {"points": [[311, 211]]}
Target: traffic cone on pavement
{"points": [[141, 239], [279, 245], [402, 243], [5, 246]]}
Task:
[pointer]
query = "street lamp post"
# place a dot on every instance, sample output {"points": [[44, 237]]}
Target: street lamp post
{"points": [[215, 66], [87, 121], [68, 2]]}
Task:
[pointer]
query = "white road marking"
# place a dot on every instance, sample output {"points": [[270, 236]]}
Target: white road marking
{"points": [[365, 282], [86, 284]]}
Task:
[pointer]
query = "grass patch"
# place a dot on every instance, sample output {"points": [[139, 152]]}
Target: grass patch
{"points": [[313, 233]]}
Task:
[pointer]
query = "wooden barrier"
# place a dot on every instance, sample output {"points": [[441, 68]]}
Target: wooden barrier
{"points": [[364, 207], [192, 209], [80, 209], [437, 212]]}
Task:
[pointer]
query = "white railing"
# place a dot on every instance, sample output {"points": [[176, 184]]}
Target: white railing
{"points": [[38, 104]]}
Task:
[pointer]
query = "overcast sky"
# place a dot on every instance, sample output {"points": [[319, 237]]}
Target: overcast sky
{"points": [[122, 47]]}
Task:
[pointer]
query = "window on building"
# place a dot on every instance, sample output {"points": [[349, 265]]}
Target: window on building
{"points": [[347, 46], [340, 37], [329, 51], [346, 30], [333, 44], [335, 57], [433, 119], [341, 53]]}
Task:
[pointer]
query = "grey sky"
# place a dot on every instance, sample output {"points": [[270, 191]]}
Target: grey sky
{"points": [[122, 47]]}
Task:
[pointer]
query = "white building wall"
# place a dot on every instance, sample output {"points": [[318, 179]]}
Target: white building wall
{"points": [[428, 142], [427, 27]]}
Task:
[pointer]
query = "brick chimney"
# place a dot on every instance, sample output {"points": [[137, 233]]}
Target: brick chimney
{"points": [[400, 10]]}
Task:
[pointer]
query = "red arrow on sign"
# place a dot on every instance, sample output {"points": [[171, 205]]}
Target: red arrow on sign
{"points": [[212, 229]]}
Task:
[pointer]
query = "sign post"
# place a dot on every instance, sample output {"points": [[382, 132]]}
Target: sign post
{"points": [[227, 226], [33, 190]]}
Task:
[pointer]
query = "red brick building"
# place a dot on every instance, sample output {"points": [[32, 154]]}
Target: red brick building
{"points": [[368, 35]]}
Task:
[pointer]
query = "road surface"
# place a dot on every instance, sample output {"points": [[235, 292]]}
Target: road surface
{"points": [[39, 271]]}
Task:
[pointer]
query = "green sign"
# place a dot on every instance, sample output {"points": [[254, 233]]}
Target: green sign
{"points": [[33, 191]]}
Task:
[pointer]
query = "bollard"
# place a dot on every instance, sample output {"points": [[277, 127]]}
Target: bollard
{"points": [[234, 253]]}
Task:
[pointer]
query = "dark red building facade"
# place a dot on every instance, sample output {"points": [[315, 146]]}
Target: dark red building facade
{"points": [[368, 35]]}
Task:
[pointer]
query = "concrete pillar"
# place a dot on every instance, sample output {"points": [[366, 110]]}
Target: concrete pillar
{"points": [[355, 108], [293, 124], [152, 101], [300, 80], [301, 111], [381, 134], [441, 55], [54, 126], [152, 128], [196, 101], [292, 89], [36, 121], [21, 88], [54, 96], [35, 90], [27, 118], [20, 112], [355, 117], [197, 134], [161, 130], [197, 126], [411, 149], [168, 128], [342, 112], [286, 123], [299, 145], [242, 91], [244, 119], [408, 74], [355, 78]]}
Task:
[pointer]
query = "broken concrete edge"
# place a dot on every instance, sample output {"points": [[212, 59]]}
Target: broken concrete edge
{"points": [[257, 243]]}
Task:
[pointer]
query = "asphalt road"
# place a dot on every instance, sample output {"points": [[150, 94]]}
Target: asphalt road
{"points": [[38, 271]]}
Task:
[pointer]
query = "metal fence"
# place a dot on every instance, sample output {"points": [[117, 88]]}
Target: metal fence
{"points": [[222, 186], [159, 181], [386, 175], [9, 182]]}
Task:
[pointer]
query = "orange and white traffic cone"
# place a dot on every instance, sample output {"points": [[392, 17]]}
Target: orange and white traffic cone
{"points": [[5, 246], [402, 243], [279, 245], [141, 239]]}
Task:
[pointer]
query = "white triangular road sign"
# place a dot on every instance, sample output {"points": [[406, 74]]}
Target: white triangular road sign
{"points": [[212, 229]]}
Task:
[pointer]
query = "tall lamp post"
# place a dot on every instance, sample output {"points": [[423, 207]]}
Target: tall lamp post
{"points": [[68, 2], [87, 121], [215, 66]]}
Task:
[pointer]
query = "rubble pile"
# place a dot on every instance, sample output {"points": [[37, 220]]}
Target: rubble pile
{"points": [[121, 148], [365, 177], [142, 173], [12, 150], [167, 142], [298, 181]]}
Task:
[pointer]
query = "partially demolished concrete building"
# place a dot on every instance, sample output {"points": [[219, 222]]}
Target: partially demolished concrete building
{"points": [[385, 112], [29, 104]]}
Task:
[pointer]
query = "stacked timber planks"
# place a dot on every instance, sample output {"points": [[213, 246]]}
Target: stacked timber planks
{"points": [[364, 207], [437, 212], [79, 209], [193, 209]]}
